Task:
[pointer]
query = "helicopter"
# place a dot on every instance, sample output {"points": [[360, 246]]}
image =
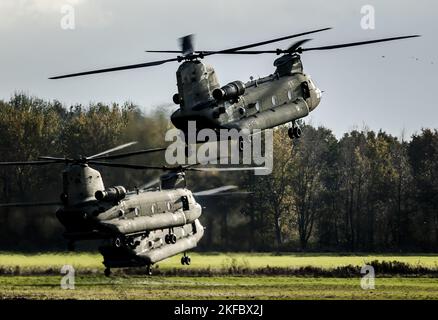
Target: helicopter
{"points": [[139, 227], [283, 97]]}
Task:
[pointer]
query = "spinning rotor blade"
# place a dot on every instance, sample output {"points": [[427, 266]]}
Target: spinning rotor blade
{"points": [[353, 44], [186, 44], [150, 184], [214, 191], [130, 166], [30, 204], [25, 163], [128, 154], [56, 159], [132, 66], [103, 153], [187, 50], [227, 169], [298, 48], [252, 45]]}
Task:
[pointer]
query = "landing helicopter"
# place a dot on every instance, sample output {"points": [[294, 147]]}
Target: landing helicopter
{"points": [[280, 98], [137, 228]]}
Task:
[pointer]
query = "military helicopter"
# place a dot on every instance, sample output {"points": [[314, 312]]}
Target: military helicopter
{"points": [[282, 97], [139, 227]]}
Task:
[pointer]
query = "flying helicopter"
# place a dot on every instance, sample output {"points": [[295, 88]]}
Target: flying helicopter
{"points": [[286, 95], [139, 227]]}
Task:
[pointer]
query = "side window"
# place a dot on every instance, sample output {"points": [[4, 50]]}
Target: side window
{"points": [[185, 203], [305, 90], [257, 106], [289, 94], [274, 101]]}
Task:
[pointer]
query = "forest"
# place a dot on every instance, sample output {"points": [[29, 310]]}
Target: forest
{"points": [[364, 192]]}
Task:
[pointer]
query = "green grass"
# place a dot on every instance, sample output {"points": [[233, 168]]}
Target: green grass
{"points": [[214, 261], [140, 287], [93, 285]]}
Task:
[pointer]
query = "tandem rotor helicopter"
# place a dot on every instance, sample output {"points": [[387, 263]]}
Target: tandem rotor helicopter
{"points": [[137, 228], [280, 98]]}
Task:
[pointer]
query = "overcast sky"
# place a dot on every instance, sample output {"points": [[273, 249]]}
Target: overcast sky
{"points": [[389, 86]]}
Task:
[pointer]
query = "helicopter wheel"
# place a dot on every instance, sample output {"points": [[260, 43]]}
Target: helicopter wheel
{"points": [[290, 133], [71, 246], [172, 238], [297, 132], [107, 272], [118, 242], [294, 132], [186, 260], [149, 270]]}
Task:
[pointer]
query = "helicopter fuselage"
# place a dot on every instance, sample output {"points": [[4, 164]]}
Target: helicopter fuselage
{"points": [[285, 96], [138, 228]]}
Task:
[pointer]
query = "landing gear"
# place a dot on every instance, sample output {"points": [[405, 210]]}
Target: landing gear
{"points": [[295, 131], [107, 272], [185, 260], [170, 238], [149, 270], [118, 242], [71, 246]]}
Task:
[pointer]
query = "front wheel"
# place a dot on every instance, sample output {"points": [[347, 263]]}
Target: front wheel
{"points": [[297, 132]]}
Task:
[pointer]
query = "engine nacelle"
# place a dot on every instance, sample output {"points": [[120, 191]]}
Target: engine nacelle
{"points": [[229, 92], [111, 194]]}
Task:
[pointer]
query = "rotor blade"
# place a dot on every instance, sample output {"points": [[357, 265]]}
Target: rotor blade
{"points": [[227, 169], [267, 42], [214, 191], [132, 66], [186, 44], [129, 166], [112, 150], [25, 163], [129, 154], [353, 44], [30, 204], [150, 184], [297, 44], [225, 194], [57, 159], [252, 45], [300, 50]]}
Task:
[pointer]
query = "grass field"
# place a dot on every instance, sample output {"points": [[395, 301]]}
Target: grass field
{"points": [[121, 286], [142, 287], [214, 261]]}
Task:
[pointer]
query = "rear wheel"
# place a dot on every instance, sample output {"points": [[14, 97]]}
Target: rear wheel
{"points": [[149, 270], [118, 242], [172, 238], [107, 272], [297, 132]]}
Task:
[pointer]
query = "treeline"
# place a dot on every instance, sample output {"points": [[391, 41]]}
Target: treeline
{"points": [[367, 191]]}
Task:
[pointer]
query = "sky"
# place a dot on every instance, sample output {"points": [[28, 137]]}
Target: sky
{"points": [[385, 86]]}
